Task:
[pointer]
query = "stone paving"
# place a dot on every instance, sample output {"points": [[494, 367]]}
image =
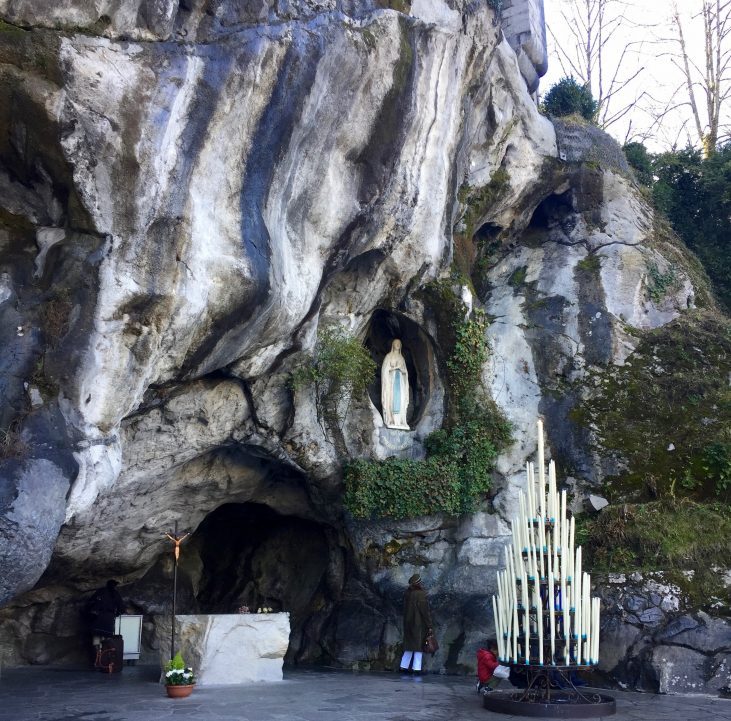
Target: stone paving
{"points": [[56, 694]]}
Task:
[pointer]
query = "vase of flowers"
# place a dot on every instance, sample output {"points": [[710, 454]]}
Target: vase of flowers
{"points": [[179, 679]]}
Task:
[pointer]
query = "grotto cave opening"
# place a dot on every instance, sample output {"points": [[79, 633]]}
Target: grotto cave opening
{"points": [[252, 556]]}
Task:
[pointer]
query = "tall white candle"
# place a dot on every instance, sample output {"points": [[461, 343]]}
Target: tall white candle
{"points": [[530, 499], [577, 576], [572, 550], [541, 468], [526, 631], [539, 622], [498, 630], [551, 609], [597, 611], [515, 633], [541, 547], [564, 556], [577, 608], [563, 513], [587, 596]]}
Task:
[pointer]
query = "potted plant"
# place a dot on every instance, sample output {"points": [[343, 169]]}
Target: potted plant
{"points": [[179, 680]]}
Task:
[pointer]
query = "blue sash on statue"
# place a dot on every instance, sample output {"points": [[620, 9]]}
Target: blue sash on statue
{"points": [[396, 405]]}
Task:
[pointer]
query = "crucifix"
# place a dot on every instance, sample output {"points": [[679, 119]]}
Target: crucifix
{"points": [[177, 540]]}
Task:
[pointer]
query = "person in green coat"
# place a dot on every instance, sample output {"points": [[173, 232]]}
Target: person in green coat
{"points": [[417, 623]]}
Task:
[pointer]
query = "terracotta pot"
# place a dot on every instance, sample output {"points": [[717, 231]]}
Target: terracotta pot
{"points": [[180, 691]]}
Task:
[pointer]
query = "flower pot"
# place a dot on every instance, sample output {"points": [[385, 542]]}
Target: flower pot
{"points": [[175, 691]]}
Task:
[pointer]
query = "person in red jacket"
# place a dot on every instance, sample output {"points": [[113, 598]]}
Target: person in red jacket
{"points": [[486, 664]]}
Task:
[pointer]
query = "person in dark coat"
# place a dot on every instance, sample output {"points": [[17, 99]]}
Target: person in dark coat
{"points": [[102, 610], [417, 623]]}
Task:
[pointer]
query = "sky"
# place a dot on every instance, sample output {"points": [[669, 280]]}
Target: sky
{"points": [[644, 41]]}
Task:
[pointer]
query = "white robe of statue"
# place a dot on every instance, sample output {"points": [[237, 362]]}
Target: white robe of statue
{"points": [[395, 388]]}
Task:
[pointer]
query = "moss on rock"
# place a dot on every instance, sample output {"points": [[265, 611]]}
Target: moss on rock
{"points": [[660, 414]]}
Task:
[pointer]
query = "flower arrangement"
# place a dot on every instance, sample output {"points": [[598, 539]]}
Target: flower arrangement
{"points": [[176, 673]]}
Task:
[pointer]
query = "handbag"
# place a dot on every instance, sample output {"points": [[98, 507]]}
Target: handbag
{"points": [[501, 672], [430, 642]]}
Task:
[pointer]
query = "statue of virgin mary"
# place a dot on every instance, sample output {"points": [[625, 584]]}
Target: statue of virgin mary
{"points": [[395, 388]]}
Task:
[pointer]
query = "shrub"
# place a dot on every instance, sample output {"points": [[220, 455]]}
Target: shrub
{"points": [[568, 97], [340, 369], [641, 162]]}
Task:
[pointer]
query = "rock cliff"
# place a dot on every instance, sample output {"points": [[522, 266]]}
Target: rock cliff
{"points": [[189, 191]]}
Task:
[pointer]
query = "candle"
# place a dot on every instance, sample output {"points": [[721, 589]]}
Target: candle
{"points": [[577, 609], [586, 608], [571, 548], [515, 633], [564, 551], [539, 621], [563, 513], [529, 481], [542, 549], [541, 469], [551, 609], [498, 629], [526, 630], [597, 611]]}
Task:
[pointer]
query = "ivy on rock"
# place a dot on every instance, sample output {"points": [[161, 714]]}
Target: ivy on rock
{"points": [[460, 457]]}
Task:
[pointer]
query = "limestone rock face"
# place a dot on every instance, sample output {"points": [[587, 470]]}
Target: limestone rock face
{"points": [[653, 639], [188, 192]]}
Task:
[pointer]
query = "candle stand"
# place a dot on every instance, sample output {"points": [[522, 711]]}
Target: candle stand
{"points": [[550, 693], [546, 621]]}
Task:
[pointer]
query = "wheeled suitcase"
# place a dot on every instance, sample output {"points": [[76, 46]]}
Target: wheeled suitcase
{"points": [[110, 656]]}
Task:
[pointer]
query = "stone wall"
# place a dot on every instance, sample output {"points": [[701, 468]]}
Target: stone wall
{"points": [[524, 26]]}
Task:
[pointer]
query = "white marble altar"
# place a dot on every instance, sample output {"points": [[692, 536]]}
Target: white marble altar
{"points": [[227, 649]]}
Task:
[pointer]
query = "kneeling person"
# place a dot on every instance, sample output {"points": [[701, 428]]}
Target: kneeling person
{"points": [[487, 662]]}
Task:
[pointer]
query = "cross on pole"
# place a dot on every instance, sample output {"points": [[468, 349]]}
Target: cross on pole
{"points": [[177, 540]]}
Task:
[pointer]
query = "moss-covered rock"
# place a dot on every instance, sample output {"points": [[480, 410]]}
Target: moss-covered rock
{"points": [[663, 414]]}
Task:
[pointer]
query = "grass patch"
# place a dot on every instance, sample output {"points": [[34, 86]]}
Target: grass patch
{"points": [[591, 264], [517, 277], [675, 534]]}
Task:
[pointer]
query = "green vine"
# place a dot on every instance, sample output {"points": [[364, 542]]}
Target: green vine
{"points": [[340, 370], [460, 457], [468, 356]]}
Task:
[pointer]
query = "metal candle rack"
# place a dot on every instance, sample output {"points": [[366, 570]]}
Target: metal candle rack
{"points": [[547, 624]]}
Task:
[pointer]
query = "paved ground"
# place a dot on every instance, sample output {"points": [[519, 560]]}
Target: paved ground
{"points": [[43, 694]]}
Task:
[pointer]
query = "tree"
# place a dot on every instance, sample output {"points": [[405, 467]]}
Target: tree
{"points": [[640, 160], [567, 97], [707, 85], [600, 56], [695, 193]]}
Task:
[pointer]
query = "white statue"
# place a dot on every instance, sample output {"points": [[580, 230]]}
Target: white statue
{"points": [[395, 388]]}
